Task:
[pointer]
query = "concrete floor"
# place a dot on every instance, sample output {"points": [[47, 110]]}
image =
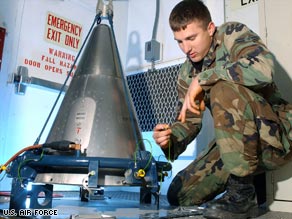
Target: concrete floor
{"points": [[123, 205]]}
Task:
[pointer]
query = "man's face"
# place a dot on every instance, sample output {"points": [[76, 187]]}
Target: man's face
{"points": [[195, 41]]}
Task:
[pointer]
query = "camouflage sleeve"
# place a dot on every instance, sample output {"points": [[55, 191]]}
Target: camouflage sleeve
{"points": [[241, 58], [183, 133]]}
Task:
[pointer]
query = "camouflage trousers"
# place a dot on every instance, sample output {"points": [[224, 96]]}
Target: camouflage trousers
{"points": [[250, 135]]}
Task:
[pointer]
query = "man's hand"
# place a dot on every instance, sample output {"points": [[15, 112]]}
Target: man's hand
{"points": [[194, 100], [161, 135]]}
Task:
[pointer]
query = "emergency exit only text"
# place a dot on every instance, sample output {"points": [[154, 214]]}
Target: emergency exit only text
{"points": [[63, 32]]}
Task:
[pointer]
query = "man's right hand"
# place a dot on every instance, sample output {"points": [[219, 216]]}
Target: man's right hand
{"points": [[161, 135], [194, 100]]}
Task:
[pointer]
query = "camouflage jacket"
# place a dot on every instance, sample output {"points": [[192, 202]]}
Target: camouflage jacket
{"points": [[237, 55]]}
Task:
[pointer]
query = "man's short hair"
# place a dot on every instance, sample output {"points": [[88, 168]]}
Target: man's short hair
{"points": [[188, 11]]}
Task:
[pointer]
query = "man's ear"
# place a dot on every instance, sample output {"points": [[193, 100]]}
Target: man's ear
{"points": [[211, 28]]}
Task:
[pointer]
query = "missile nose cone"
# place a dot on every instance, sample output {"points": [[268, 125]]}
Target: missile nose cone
{"points": [[97, 111]]}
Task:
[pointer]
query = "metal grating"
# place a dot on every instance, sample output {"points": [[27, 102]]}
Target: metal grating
{"points": [[154, 96]]}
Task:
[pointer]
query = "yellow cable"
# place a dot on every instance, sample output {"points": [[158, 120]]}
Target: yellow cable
{"points": [[137, 148], [3, 168]]}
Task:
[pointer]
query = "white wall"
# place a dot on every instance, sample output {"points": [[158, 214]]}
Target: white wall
{"points": [[243, 11]]}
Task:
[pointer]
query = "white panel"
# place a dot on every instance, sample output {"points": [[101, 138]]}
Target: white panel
{"points": [[279, 189], [275, 26], [283, 180], [244, 11], [217, 10], [48, 57], [278, 20]]}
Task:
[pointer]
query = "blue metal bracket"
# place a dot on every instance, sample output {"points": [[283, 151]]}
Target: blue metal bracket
{"points": [[26, 167]]}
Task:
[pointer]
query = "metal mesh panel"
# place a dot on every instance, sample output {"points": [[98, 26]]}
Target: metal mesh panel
{"points": [[154, 96]]}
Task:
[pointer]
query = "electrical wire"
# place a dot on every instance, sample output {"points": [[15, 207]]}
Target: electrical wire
{"points": [[137, 149], [61, 145], [21, 165], [169, 160], [150, 159], [4, 166], [154, 31]]}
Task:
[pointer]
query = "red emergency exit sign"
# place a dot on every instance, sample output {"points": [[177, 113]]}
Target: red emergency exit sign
{"points": [[2, 37]]}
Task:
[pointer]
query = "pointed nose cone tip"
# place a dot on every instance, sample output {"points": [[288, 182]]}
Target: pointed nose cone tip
{"points": [[100, 55], [96, 111]]}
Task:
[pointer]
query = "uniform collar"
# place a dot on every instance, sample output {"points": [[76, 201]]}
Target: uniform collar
{"points": [[211, 55]]}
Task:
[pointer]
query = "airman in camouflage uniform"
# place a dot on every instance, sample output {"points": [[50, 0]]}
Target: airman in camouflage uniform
{"points": [[252, 122]]}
